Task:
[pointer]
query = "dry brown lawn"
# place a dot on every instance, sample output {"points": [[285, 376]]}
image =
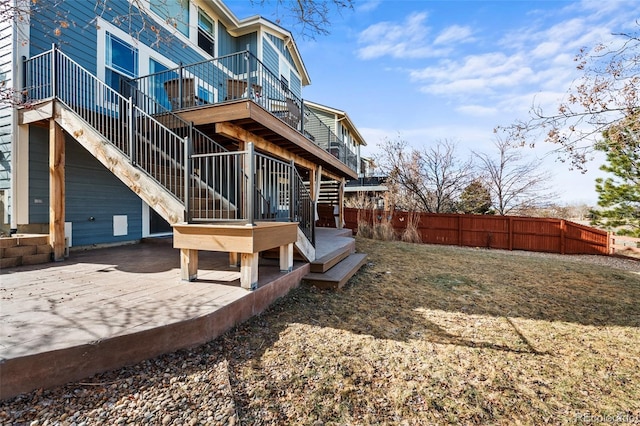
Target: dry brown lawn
{"points": [[446, 335]]}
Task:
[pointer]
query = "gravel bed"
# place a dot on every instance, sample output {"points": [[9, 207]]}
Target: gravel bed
{"points": [[182, 388]]}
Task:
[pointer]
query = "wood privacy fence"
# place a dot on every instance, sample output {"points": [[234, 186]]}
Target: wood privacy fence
{"points": [[498, 232]]}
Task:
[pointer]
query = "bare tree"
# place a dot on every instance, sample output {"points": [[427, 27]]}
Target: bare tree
{"points": [[312, 17], [605, 94], [515, 183], [428, 180]]}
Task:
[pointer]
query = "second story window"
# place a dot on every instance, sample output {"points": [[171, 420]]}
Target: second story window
{"points": [[121, 60], [284, 83], [174, 13], [206, 40]]}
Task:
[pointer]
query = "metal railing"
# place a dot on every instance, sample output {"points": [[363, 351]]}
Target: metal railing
{"points": [[266, 189], [214, 184], [141, 138], [241, 76], [304, 209]]}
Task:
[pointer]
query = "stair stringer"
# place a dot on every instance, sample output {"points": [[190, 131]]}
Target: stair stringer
{"points": [[148, 189], [304, 246]]}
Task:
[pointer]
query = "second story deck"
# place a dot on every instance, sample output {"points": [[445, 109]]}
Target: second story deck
{"points": [[236, 98]]}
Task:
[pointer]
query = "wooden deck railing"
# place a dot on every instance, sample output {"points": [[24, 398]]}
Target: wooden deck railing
{"points": [[497, 232]]}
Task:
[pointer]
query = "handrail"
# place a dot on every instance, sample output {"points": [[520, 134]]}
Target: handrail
{"points": [[265, 189], [304, 212], [213, 183], [237, 76], [116, 118], [201, 142]]}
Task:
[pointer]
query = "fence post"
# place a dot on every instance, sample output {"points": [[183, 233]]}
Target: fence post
{"points": [[312, 217], [248, 56], [563, 229], [250, 193], [510, 233], [23, 85]]}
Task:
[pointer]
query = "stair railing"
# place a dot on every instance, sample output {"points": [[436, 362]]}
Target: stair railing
{"points": [[141, 138], [304, 209], [249, 186]]}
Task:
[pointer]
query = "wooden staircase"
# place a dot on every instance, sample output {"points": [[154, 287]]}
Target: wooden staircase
{"points": [[336, 259]]}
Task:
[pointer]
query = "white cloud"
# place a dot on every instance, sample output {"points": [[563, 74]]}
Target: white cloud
{"points": [[398, 40], [368, 6], [477, 110], [454, 33]]}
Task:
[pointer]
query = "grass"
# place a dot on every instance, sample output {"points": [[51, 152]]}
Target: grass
{"points": [[445, 335]]}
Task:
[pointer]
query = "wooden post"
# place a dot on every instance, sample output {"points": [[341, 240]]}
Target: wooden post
{"points": [[341, 203], [312, 184], [249, 270], [234, 259], [315, 195], [56, 190], [318, 183], [286, 258], [188, 264]]}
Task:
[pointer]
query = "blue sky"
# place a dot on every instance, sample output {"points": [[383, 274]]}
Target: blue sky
{"points": [[431, 70]]}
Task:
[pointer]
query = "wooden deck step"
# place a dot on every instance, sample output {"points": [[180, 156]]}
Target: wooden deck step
{"points": [[343, 247], [337, 276]]}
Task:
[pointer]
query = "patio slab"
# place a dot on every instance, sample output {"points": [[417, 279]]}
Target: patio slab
{"points": [[105, 308]]}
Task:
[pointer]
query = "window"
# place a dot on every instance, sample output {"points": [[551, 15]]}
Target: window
{"points": [[159, 75], [284, 83], [205, 33], [121, 62], [174, 13]]}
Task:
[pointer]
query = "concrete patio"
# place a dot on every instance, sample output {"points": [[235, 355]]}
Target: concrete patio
{"points": [[105, 308]]}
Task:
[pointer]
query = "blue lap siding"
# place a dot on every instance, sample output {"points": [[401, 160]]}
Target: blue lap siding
{"points": [[92, 191]]}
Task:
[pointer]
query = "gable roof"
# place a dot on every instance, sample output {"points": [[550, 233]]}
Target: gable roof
{"points": [[342, 116], [238, 27]]}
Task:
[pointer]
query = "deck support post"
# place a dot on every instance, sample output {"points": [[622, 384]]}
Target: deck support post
{"points": [[188, 264], [56, 190], [340, 223], [286, 258], [234, 260], [249, 270]]}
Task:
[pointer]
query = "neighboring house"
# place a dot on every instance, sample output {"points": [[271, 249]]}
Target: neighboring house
{"points": [[130, 124], [343, 140], [369, 190]]}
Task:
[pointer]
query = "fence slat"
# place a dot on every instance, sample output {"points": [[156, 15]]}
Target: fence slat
{"points": [[498, 232]]}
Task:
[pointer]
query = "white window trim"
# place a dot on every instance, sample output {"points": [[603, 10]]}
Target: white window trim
{"points": [[215, 32], [144, 51]]}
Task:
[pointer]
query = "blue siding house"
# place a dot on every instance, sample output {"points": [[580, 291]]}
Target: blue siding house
{"points": [[128, 123]]}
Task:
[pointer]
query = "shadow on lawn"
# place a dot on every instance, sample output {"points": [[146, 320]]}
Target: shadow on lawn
{"points": [[468, 302]]}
